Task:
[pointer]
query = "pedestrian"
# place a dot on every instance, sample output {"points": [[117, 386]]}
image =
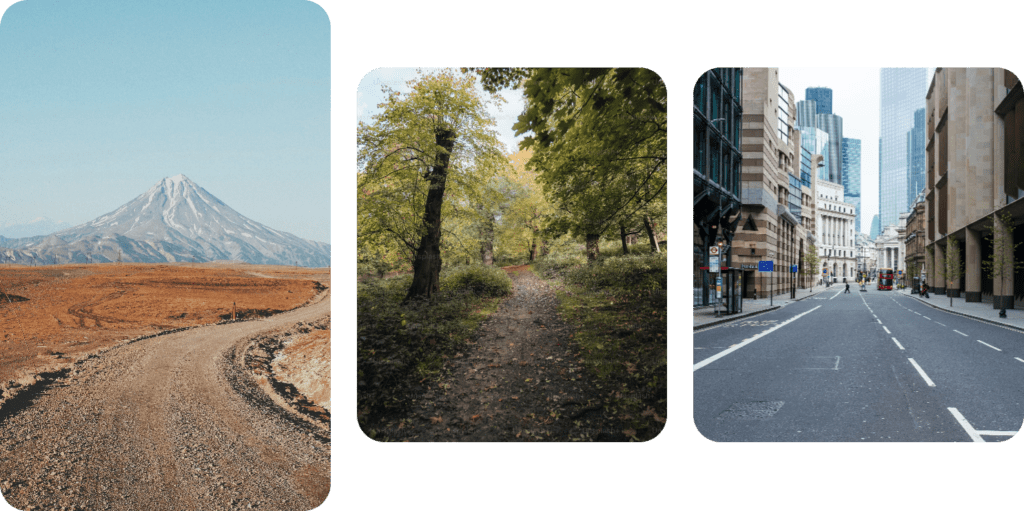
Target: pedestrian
{"points": [[847, 288], [924, 289]]}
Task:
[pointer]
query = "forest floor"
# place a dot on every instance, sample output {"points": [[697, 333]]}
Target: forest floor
{"points": [[522, 378]]}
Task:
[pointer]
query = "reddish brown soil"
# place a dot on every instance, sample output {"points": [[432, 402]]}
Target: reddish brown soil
{"points": [[59, 313]]}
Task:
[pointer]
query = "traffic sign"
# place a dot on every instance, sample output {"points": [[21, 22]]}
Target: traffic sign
{"points": [[714, 264], [714, 250], [792, 269], [765, 266]]}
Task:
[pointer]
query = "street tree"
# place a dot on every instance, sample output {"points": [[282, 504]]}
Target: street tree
{"points": [[599, 137], [1000, 264], [952, 268], [811, 263], [428, 155]]}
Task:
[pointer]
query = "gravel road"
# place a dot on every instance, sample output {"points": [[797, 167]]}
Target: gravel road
{"points": [[169, 422]]}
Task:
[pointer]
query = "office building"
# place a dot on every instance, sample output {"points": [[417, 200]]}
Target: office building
{"points": [[851, 176], [901, 94], [822, 98]]}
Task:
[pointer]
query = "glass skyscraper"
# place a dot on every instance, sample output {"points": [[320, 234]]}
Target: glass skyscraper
{"points": [[815, 141], [806, 114], [851, 175], [822, 97], [833, 125], [915, 155], [902, 94]]}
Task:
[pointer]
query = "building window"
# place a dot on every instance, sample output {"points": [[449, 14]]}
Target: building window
{"points": [[700, 97], [699, 139], [715, 160], [716, 99]]}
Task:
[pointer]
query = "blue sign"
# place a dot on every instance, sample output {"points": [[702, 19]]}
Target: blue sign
{"points": [[765, 266], [793, 268]]}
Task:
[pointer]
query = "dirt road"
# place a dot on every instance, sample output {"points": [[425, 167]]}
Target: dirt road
{"points": [[170, 422]]}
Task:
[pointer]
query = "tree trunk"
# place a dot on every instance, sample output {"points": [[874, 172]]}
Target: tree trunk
{"points": [[593, 250], [622, 234], [650, 234], [487, 247], [533, 249], [427, 265]]}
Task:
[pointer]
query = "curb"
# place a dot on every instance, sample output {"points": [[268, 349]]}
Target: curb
{"points": [[732, 318], [996, 323]]}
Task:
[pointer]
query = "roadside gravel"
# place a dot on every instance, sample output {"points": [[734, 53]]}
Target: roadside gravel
{"points": [[171, 422]]}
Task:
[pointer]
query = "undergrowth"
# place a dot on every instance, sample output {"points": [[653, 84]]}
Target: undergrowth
{"points": [[400, 345], [618, 309]]}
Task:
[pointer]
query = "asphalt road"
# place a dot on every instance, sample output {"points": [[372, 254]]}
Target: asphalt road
{"points": [[875, 367]]}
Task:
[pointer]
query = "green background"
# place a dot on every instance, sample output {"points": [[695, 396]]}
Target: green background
{"points": [[679, 469]]}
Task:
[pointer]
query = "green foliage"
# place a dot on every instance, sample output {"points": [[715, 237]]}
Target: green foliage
{"points": [[1000, 262], [397, 153], [559, 264], [629, 272], [478, 279]]}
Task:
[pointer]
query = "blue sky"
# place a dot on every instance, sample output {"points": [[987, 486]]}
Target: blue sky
{"points": [[100, 100], [369, 95]]}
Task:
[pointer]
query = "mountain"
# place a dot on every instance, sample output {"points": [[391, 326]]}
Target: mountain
{"points": [[175, 220], [39, 226]]}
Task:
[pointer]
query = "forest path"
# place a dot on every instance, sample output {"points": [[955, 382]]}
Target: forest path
{"points": [[170, 422], [521, 379]]}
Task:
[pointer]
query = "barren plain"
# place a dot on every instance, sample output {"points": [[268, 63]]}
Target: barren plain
{"points": [[128, 387]]}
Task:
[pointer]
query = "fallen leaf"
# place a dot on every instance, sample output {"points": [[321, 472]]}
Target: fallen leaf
{"points": [[436, 420], [629, 432], [515, 397], [475, 417]]}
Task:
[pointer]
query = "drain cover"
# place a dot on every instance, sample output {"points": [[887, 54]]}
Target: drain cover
{"points": [[752, 410]]}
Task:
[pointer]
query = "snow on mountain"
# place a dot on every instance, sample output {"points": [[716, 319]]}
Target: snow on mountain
{"points": [[175, 220]]}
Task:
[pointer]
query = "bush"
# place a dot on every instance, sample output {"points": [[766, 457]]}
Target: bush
{"points": [[557, 265], [477, 279], [634, 271]]}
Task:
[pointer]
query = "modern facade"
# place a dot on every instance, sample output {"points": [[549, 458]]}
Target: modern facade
{"points": [[806, 114], [815, 141], [717, 118], [915, 157], [833, 125], [773, 228], [875, 229], [822, 98], [974, 165], [851, 176], [901, 95]]}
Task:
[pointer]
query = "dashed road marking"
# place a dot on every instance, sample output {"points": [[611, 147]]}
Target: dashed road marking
{"points": [[921, 371], [959, 332], [886, 329], [989, 345], [879, 322], [897, 343], [940, 324], [926, 317]]}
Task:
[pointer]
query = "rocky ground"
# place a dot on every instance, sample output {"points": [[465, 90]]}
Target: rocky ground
{"points": [[175, 421]]}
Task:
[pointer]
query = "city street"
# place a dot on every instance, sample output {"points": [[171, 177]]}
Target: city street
{"points": [[874, 366]]}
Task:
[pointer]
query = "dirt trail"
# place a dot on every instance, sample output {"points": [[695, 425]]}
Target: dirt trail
{"points": [[522, 380], [170, 422]]}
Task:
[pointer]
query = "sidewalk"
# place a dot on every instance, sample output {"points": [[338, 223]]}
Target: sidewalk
{"points": [[705, 317], [979, 310]]}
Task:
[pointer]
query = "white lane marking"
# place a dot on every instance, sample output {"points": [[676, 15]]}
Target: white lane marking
{"points": [[974, 433], [879, 321], [745, 342], [989, 345], [940, 324], [835, 295], [959, 332], [897, 343], [971, 432], [1020, 359], [873, 314], [926, 317], [915, 312], [886, 329], [919, 370]]}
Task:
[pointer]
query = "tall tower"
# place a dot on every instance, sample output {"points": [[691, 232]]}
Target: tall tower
{"points": [[833, 125], [851, 175], [915, 155], [822, 97], [902, 94]]}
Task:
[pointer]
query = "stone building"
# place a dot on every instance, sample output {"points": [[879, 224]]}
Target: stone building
{"points": [[866, 255], [914, 241], [772, 192], [889, 247], [975, 175], [836, 240]]}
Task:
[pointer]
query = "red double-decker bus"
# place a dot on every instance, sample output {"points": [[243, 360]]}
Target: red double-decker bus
{"points": [[885, 277]]}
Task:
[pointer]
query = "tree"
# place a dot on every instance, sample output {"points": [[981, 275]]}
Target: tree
{"points": [[1000, 264], [523, 223], [811, 262], [600, 142], [431, 151], [952, 268]]}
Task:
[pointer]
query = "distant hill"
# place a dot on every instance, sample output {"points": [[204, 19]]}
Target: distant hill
{"points": [[175, 220], [39, 227]]}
